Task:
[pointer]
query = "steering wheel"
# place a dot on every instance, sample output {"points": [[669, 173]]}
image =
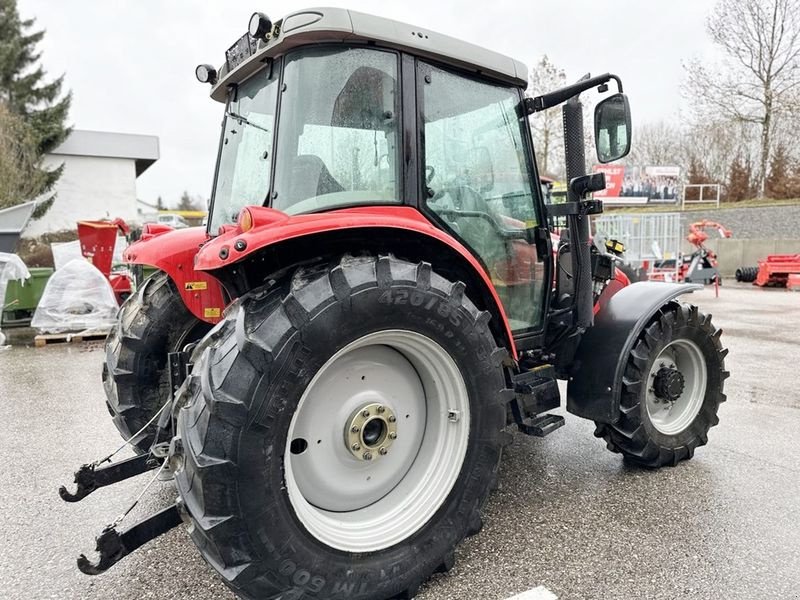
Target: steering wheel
{"points": [[466, 197], [430, 173]]}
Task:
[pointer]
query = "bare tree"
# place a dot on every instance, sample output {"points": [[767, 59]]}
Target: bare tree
{"points": [[659, 143], [713, 145], [758, 79], [547, 126]]}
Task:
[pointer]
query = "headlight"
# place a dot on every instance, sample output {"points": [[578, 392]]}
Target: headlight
{"points": [[206, 74]]}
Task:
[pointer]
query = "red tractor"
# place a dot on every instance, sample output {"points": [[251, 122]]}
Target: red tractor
{"points": [[378, 241]]}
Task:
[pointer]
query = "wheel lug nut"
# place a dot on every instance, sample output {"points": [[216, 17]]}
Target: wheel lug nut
{"points": [[392, 435], [356, 447], [367, 455], [380, 409], [382, 451], [392, 419], [364, 413], [354, 429]]}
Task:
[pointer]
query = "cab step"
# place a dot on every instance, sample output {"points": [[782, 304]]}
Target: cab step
{"points": [[541, 425], [536, 392]]}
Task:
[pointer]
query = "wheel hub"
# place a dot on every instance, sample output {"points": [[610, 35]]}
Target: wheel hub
{"points": [[370, 432], [677, 386], [668, 384]]}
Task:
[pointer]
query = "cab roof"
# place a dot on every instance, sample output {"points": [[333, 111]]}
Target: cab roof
{"points": [[339, 25]]}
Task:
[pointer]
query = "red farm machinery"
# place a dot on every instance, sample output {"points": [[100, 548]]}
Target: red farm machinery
{"points": [[330, 370], [776, 270]]}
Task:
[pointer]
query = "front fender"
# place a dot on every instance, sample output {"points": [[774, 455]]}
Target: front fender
{"points": [[272, 228], [174, 251], [595, 382]]}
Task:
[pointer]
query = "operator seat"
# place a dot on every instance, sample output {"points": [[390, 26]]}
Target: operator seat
{"points": [[310, 177]]}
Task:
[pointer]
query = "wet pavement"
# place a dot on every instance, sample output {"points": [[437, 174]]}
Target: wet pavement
{"points": [[569, 515]]}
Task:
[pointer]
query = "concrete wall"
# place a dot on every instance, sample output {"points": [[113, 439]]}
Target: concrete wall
{"points": [[90, 188], [765, 222], [735, 253]]}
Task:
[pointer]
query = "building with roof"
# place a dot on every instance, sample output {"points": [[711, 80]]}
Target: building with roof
{"points": [[99, 178]]}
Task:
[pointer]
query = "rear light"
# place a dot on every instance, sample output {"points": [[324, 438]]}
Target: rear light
{"points": [[245, 221]]}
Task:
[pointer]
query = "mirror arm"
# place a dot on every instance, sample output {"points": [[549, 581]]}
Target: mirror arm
{"points": [[551, 99]]}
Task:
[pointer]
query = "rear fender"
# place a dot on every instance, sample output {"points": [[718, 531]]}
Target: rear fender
{"points": [[173, 251], [277, 241], [595, 382]]}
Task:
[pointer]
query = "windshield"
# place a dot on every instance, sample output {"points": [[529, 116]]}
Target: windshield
{"points": [[243, 174], [338, 130]]}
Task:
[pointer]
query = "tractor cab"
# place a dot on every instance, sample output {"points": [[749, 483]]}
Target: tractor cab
{"points": [[319, 120]]}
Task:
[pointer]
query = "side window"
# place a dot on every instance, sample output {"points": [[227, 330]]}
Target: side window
{"points": [[479, 184]]}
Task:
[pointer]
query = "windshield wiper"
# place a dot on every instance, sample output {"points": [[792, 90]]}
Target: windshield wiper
{"points": [[243, 120]]}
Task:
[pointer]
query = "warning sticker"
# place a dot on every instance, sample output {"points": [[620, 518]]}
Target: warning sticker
{"points": [[194, 286], [212, 313]]}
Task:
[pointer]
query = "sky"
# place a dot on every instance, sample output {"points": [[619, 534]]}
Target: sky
{"points": [[130, 63]]}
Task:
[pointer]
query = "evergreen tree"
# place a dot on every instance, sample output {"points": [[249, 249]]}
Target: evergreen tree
{"points": [[778, 183], [793, 180], [696, 175], [20, 176], [160, 204], [187, 202], [25, 91], [740, 180]]}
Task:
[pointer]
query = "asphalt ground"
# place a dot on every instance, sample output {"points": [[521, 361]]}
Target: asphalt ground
{"points": [[569, 515]]}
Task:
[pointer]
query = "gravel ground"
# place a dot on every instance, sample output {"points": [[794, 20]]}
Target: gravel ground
{"points": [[569, 515]]}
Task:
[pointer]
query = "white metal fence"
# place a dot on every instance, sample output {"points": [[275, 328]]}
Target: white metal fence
{"points": [[652, 241], [709, 193]]}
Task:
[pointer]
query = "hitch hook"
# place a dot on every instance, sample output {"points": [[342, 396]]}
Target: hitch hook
{"points": [[113, 546], [90, 477]]}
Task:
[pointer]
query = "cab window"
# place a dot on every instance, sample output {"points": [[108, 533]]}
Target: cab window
{"points": [[478, 183]]}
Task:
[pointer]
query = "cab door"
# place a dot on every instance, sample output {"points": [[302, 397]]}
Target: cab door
{"points": [[479, 183]]}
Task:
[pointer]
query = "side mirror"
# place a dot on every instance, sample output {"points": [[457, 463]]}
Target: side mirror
{"points": [[612, 128]]}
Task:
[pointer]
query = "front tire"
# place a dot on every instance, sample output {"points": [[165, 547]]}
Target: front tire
{"points": [[151, 323], [271, 462], [672, 389]]}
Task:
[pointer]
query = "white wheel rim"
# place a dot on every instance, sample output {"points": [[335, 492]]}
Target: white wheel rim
{"points": [[673, 417], [358, 505]]}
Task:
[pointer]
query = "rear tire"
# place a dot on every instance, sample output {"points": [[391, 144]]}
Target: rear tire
{"points": [[243, 439], [664, 417], [151, 323], [746, 274]]}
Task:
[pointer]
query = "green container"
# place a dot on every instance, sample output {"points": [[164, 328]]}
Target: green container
{"points": [[21, 300]]}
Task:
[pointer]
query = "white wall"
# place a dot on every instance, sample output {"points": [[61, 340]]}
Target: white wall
{"points": [[89, 188]]}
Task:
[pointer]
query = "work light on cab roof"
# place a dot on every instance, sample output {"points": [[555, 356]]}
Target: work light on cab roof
{"points": [[259, 26], [206, 74]]}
